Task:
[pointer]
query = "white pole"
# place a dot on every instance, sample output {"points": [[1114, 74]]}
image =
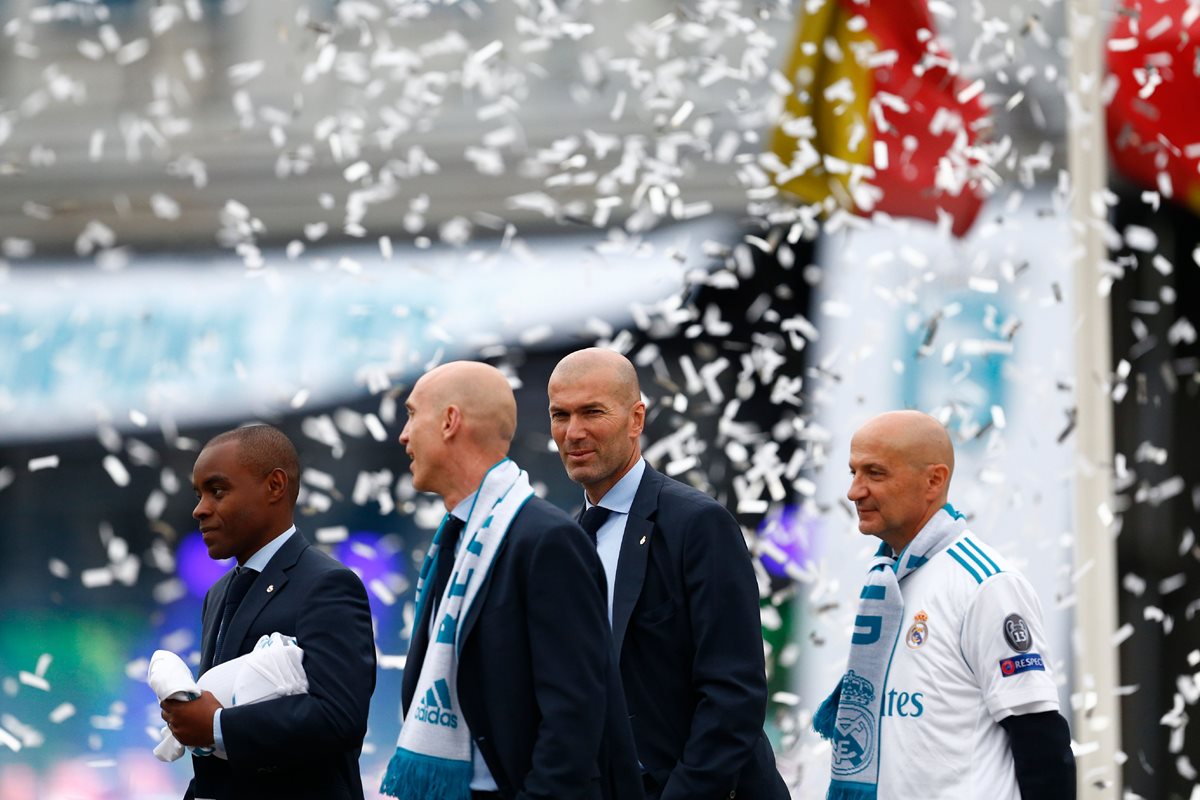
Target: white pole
{"points": [[1096, 726]]}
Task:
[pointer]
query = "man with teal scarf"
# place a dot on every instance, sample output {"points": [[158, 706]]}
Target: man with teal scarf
{"points": [[510, 690], [949, 689]]}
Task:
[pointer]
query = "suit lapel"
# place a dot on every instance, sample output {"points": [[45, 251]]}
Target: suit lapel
{"points": [[635, 550], [212, 620], [266, 587], [418, 642]]}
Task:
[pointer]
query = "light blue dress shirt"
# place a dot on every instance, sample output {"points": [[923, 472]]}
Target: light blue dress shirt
{"points": [[257, 562], [618, 500]]}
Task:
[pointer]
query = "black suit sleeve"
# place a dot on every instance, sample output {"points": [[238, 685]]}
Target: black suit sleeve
{"points": [[334, 628], [570, 654], [1041, 749], [728, 671]]}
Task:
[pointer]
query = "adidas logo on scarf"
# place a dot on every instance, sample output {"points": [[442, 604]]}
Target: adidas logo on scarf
{"points": [[434, 713]]}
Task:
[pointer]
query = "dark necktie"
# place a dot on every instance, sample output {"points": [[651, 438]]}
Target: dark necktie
{"points": [[593, 518], [446, 550], [243, 578]]}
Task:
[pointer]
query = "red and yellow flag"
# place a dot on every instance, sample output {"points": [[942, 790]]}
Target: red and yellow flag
{"points": [[878, 119], [1154, 114]]}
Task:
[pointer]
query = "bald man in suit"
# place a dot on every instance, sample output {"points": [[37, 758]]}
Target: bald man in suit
{"points": [[683, 598]]}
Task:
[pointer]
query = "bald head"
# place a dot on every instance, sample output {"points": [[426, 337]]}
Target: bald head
{"points": [[596, 418], [918, 437], [462, 417], [482, 395], [901, 463], [609, 367]]}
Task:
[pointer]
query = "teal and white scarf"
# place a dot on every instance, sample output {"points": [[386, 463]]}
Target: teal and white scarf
{"points": [[850, 717], [433, 755]]}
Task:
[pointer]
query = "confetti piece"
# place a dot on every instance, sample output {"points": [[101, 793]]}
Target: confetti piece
{"points": [[381, 590], [116, 470], [34, 681], [9, 741], [332, 535], [96, 577], [62, 713], [44, 462]]}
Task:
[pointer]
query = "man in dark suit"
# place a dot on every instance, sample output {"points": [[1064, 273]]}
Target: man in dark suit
{"points": [[303, 746], [535, 679], [683, 598]]}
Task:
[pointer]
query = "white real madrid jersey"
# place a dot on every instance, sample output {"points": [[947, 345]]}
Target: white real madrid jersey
{"points": [[971, 651]]}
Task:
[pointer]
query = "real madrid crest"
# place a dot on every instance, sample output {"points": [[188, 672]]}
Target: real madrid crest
{"points": [[919, 631]]}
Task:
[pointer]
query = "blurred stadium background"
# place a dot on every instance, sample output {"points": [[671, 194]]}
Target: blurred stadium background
{"points": [[217, 212]]}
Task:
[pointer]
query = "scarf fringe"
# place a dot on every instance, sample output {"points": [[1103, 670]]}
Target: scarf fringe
{"points": [[823, 721], [844, 790], [412, 775]]}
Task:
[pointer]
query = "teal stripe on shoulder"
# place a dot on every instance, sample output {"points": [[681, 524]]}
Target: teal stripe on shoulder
{"points": [[965, 565], [979, 550], [978, 561]]}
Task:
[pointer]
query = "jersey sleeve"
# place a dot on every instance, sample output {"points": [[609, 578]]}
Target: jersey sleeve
{"points": [[1004, 642]]}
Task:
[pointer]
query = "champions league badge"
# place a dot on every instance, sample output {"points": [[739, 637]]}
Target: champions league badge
{"points": [[1016, 633], [854, 731], [919, 631]]}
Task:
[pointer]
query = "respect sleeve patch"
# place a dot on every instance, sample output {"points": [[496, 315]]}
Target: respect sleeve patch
{"points": [[1026, 662]]}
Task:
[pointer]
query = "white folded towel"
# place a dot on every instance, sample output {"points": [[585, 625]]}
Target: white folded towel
{"points": [[274, 668]]}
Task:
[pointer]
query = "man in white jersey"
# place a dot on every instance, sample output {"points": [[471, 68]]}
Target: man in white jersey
{"points": [[948, 691]]}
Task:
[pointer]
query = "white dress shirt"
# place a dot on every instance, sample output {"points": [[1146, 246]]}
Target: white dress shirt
{"points": [[257, 562], [618, 500]]}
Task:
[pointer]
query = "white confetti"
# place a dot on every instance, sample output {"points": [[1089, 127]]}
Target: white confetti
{"points": [[9, 741], [381, 590], [44, 462], [116, 470], [62, 713], [332, 535], [96, 577], [375, 428], [1138, 237], [35, 681]]}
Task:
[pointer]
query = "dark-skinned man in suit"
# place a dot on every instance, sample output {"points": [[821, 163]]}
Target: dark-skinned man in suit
{"points": [[683, 598], [298, 747]]}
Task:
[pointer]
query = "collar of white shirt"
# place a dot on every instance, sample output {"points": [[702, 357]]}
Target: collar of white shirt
{"points": [[620, 497], [258, 562]]}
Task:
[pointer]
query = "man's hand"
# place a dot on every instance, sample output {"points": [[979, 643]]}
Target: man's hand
{"points": [[191, 721]]}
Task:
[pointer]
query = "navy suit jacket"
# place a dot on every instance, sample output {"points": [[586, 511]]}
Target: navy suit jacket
{"points": [[688, 636], [537, 680], [304, 746]]}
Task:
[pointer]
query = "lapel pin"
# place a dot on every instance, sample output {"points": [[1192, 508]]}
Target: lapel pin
{"points": [[270, 588], [643, 541]]}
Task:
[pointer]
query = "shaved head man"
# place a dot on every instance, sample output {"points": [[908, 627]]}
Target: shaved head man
{"points": [[596, 410], [948, 658], [464, 408], [901, 463], [682, 596], [510, 687]]}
